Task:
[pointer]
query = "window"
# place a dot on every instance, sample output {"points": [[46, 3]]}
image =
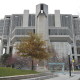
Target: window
{"points": [[72, 50], [73, 57], [41, 8], [66, 21], [31, 20], [51, 20]]}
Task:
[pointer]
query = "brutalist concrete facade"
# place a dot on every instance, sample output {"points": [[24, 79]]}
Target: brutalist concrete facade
{"points": [[61, 30]]}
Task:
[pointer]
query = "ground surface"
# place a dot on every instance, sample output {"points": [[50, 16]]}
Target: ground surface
{"points": [[11, 72], [65, 76]]}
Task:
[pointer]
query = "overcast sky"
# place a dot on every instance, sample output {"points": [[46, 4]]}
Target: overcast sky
{"points": [[8, 7]]}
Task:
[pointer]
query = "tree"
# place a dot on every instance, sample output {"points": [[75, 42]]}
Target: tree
{"points": [[4, 58], [10, 61], [33, 46], [7, 60]]}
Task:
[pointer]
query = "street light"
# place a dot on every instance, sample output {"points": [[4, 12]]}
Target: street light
{"points": [[69, 64]]}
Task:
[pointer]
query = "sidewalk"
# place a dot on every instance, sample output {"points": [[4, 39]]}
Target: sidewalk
{"points": [[66, 76]]}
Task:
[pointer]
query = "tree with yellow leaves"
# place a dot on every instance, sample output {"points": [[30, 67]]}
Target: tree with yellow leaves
{"points": [[33, 46]]}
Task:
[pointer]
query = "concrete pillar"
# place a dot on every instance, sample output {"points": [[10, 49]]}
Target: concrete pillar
{"points": [[25, 18], [42, 25], [74, 41], [42, 21], [14, 50], [75, 50], [1, 47], [57, 18], [8, 48]]}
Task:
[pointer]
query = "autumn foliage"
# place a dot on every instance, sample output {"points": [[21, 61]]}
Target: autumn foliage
{"points": [[33, 46]]}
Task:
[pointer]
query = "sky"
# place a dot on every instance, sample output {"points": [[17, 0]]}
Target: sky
{"points": [[8, 7]]}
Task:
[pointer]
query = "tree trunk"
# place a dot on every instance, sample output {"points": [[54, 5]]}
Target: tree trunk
{"points": [[32, 64]]}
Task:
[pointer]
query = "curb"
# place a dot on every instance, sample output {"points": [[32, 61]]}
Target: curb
{"points": [[28, 76]]}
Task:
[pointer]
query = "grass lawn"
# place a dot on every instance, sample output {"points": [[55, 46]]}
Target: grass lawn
{"points": [[10, 71]]}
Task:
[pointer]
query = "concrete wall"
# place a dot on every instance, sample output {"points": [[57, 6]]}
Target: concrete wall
{"points": [[25, 18], [57, 18]]}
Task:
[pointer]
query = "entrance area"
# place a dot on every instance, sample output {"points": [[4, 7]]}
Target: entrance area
{"points": [[56, 67]]}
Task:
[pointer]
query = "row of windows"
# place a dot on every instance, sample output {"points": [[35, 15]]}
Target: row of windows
{"points": [[78, 50], [51, 31], [1, 23], [76, 24], [65, 20], [31, 21], [6, 27], [1, 26], [51, 20], [23, 31], [78, 43], [58, 32], [17, 20]]}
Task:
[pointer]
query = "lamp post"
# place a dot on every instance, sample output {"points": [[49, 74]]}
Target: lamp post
{"points": [[69, 64]]}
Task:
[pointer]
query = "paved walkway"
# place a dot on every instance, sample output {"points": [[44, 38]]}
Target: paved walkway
{"points": [[65, 77], [61, 76]]}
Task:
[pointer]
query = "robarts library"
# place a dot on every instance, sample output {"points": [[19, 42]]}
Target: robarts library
{"points": [[62, 30]]}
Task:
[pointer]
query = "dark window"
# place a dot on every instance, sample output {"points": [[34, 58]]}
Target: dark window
{"points": [[51, 20], [78, 59], [72, 50], [78, 50], [31, 21], [73, 57], [7, 17], [75, 17], [33, 30], [41, 6], [49, 31]]}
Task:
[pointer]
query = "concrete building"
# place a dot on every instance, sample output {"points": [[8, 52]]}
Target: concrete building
{"points": [[61, 30]]}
